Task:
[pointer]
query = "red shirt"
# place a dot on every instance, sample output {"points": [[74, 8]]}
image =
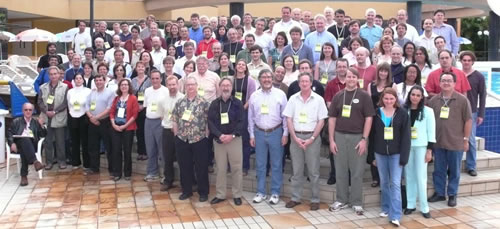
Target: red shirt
{"points": [[368, 75], [148, 44], [432, 85], [129, 46], [206, 46], [332, 88], [132, 110]]}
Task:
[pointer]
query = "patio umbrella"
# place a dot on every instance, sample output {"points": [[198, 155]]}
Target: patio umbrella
{"points": [[68, 35], [5, 36], [464, 41], [35, 35]]}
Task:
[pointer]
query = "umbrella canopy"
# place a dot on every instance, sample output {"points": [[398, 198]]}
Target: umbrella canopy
{"points": [[68, 35], [35, 34], [6, 36], [464, 41]]}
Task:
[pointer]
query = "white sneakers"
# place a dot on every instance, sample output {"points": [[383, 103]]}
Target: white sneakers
{"points": [[395, 222], [274, 199], [383, 214], [259, 198]]}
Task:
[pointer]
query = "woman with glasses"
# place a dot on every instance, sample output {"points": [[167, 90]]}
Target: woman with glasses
{"points": [[123, 114]]}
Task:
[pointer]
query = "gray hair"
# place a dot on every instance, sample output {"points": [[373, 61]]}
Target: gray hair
{"points": [[305, 74]]}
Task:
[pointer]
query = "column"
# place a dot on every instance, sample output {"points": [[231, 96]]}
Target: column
{"points": [[493, 44], [414, 9], [3, 44], [236, 8]]}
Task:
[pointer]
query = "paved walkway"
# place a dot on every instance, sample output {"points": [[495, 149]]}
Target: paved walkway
{"points": [[68, 199]]}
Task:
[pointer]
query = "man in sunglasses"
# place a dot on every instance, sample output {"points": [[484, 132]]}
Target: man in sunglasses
{"points": [[22, 138]]}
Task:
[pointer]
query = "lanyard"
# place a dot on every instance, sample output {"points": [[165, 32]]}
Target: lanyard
{"points": [[446, 101], [220, 106], [327, 66], [241, 87], [345, 91], [231, 46], [341, 31]]}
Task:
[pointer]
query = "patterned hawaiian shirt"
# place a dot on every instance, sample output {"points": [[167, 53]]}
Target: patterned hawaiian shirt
{"points": [[191, 119]]}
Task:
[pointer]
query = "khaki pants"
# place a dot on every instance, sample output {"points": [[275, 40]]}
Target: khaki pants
{"points": [[232, 152]]}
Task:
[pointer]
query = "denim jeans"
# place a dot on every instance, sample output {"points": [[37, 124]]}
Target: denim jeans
{"points": [[264, 143], [470, 160], [443, 160], [390, 183]]}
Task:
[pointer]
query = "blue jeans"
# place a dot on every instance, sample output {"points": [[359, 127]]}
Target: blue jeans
{"points": [[443, 160], [390, 183], [264, 143], [470, 160]]}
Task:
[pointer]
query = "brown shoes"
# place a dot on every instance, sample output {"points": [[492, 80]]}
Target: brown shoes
{"points": [[314, 206], [38, 165], [291, 204], [24, 181]]}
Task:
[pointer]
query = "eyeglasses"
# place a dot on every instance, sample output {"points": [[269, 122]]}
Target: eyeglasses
{"points": [[447, 81], [28, 109]]}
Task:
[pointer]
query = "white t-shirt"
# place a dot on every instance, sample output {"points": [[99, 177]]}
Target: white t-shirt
{"points": [[152, 99]]}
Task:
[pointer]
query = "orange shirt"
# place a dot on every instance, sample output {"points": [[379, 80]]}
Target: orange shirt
{"points": [[432, 85]]}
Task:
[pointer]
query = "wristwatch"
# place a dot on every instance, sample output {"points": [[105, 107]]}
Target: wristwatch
{"points": [[363, 138], [234, 136]]}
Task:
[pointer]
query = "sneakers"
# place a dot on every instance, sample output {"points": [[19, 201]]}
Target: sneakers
{"points": [[274, 199], [149, 178], [337, 206], [259, 198], [358, 210], [395, 222], [383, 214]]}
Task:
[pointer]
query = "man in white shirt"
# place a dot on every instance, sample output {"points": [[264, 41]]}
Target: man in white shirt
{"points": [[247, 24], [158, 54], [119, 55], [82, 40], [153, 96], [296, 16], [109, 56], [188, 55], [256, 65], [235, 21], [165, 108], [426, 40], [286, 23], [411, 32], [329, 13], [262, 39]]}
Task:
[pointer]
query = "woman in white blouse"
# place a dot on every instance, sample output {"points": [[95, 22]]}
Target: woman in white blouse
{"points": [[424, 63], [411, 77], [291, 73], [77, 120]]}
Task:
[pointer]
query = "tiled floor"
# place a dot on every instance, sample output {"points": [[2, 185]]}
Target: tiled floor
{"points": [[68, 199]]}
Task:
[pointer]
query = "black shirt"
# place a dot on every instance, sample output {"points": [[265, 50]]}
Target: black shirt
{"points": [[478, 88], [342, 32], [44, 61], [317, 87], [234, 108], [397, 71], [240, 85], [345, 44]]}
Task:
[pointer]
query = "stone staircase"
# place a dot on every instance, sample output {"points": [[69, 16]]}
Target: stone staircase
{"points": [[487, 181]]}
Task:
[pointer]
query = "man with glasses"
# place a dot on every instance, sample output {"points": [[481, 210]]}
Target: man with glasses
{"points": [[453, 127], [461, 83], [23, 136]]}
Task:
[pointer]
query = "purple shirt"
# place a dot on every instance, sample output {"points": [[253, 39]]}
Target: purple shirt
{"points": [[450, 36], [275, 101]]}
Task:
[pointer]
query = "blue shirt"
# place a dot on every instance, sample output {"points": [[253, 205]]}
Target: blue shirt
{"points": [[42, 78], [124, 37], [304, 52], [450, 36], [385, 119], [196, 35], [71, 72], [371, 34], [316, 40]]}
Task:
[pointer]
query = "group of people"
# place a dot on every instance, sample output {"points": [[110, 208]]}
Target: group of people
{"points": [[215, 93]]}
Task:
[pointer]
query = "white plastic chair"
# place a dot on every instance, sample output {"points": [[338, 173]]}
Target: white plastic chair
{"points": [[18, 157]]}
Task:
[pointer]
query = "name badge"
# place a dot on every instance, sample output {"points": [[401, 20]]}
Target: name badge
{"points": [[92, 106], [388, 133], [140, 97], [339, 41], [30, 133], [106, 45], [204, 53], [83, 46], [276, 64], [361, 83], [76, 106], [302, 117], [201, 92], [50, 99], [324, 78], [346, 111], [445, 113], [317, 48], [224, 118], [187, 115], [121, 112], [232, 58], [296, 59], [264, 109], [238, 95], [169, 114], [154, 107], [414, 133]]}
